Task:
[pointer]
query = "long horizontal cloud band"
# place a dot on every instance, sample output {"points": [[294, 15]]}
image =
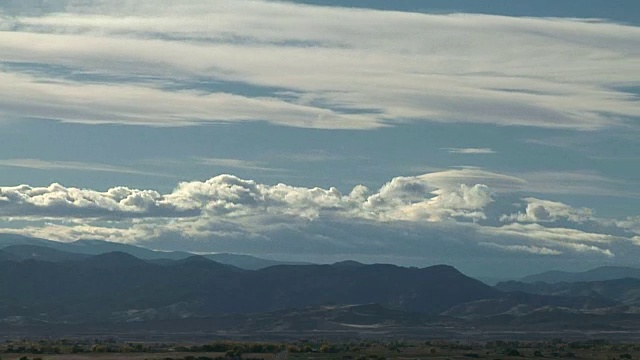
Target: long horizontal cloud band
{"points": [[343, 68], [403, 198], [437, 213]]}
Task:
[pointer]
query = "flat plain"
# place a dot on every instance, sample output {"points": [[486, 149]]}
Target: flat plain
{"points": [[344, 350]]}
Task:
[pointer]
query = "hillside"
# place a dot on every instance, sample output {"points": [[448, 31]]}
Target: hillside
{"points": [[96, 282], [598, 274], [625, 291], [22, 248], [104, 287]]}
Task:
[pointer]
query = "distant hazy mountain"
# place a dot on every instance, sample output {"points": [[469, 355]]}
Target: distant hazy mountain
{"points": [[597, 274], [96, 247], [492, 280], [13, 239], [248, 262], [25, 252], [624, 291]]}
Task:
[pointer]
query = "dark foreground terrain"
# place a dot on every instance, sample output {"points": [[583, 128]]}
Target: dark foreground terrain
{"points": [[355, 349]]}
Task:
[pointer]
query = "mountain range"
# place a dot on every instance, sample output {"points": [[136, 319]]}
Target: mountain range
{"points": [[112, 285], [23, 247], [598, 274], [89, 285]]}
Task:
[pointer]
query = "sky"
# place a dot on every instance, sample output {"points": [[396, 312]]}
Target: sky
{"points": [[501, 137]]}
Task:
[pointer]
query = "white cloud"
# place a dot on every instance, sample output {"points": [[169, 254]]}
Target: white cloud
{"points": [[72, 165], [236, 163], [90, 103], [540, 211], [323, 61], [471, 176], [522, 248], [226, 195], [572, 239], [631, 224], [311, 156], [406, 217], [470, 151], [577, 182], [550, 221]]}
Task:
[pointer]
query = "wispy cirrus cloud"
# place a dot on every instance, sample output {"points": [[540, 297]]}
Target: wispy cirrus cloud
{"points": [[470, 151], [319, 67], [40, 164], [237, 164], [522, 248], [585, 182]]}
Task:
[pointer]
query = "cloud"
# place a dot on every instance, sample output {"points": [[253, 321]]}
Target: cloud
{"points": [[571, 239], [471, 176], [134, 104], [540, 211], [403, 198], [72, 165], [558, 220], [426, 219], [470, 151], [59, 201], [236, 163], [312, 156], [631, 224], [522, 248], [226, 195], [133, 62], [577, 182]]}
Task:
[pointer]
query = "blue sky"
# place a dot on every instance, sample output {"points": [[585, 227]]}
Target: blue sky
{"points": [[494, 135]]}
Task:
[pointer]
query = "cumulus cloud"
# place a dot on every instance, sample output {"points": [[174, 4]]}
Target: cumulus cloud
{"points": [[56, 200], [540, 211], [322, 67], [403, 198], [631, 224], [430, 218], [552, 221]]}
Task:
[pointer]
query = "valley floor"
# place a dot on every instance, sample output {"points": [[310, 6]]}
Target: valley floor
{"points": [[322, 350]]}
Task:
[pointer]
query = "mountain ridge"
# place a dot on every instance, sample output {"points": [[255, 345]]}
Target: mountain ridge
{"points": [[597, 274], [104, 284], [95, 247]]}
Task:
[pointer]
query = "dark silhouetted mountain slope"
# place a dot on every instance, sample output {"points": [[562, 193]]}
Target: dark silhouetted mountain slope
{"points": [[100, 286]]}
